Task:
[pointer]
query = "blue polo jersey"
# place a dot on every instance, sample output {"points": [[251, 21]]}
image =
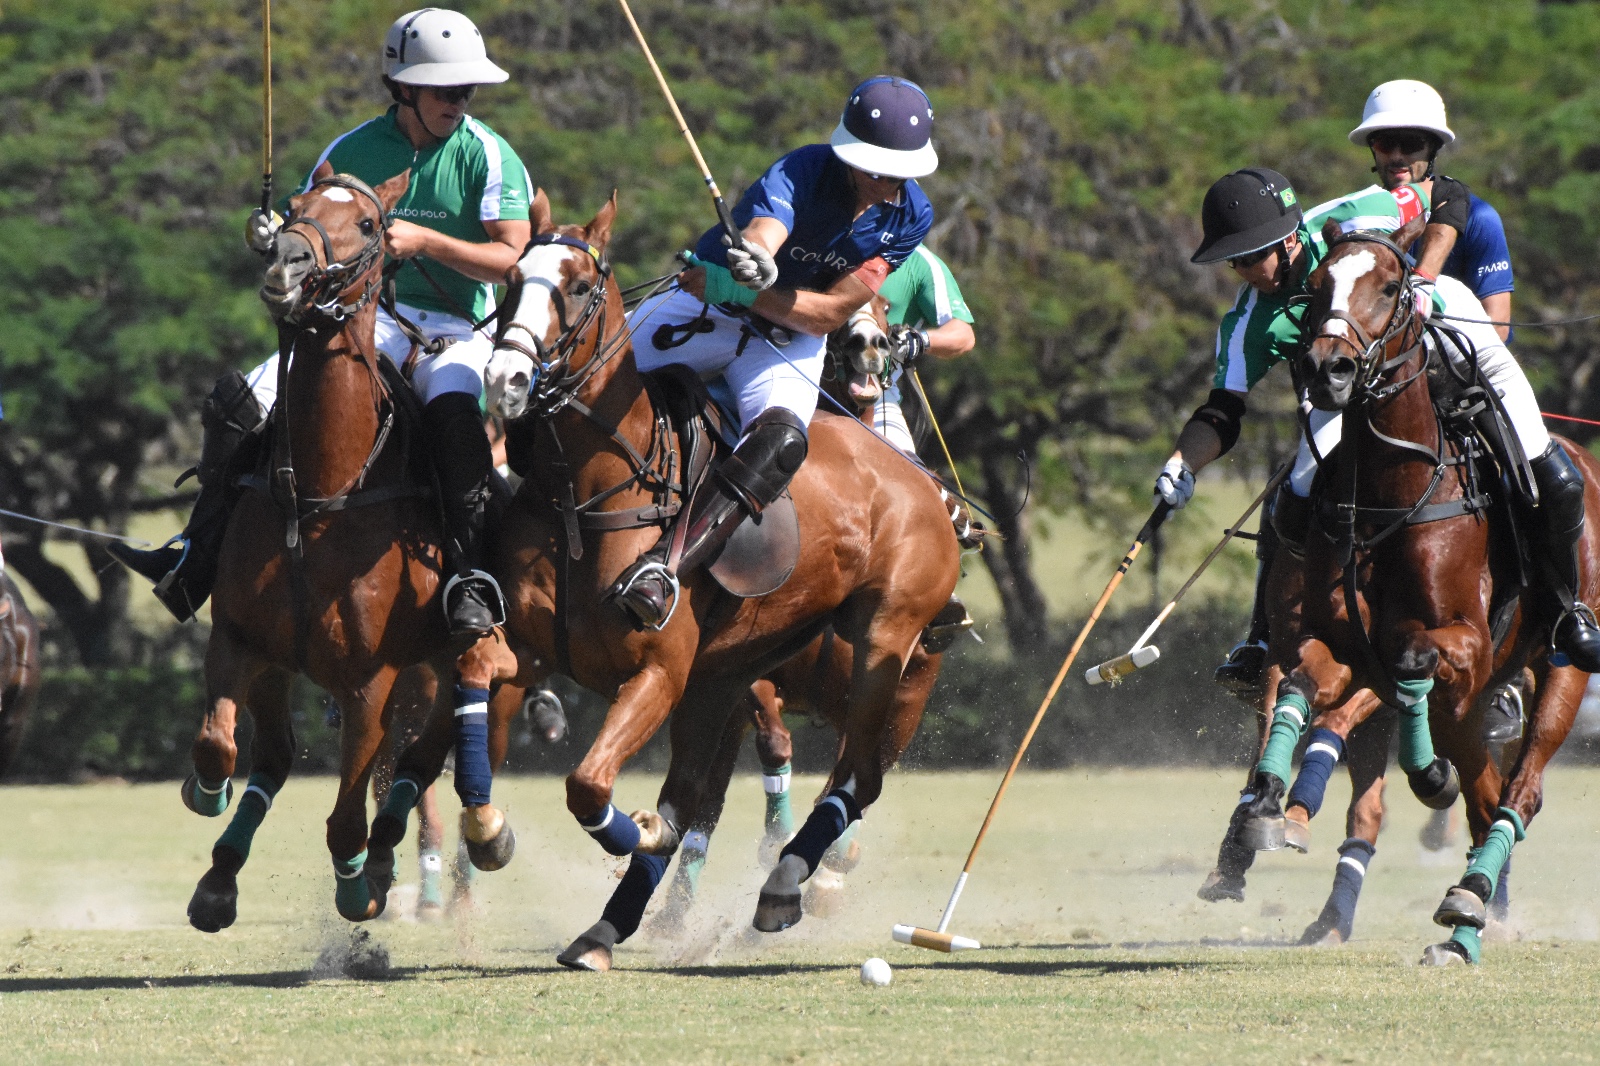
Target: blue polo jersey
{"points": [[1481, 259], [809, 191]]}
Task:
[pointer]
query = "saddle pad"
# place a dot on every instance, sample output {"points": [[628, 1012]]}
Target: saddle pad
{"points": [[762, 552]]}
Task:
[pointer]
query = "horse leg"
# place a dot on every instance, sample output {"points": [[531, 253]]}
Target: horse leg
{"points": [[1326, 748], [1367, 757], [490, 839], [430, 857], [775, 749], [361, 880], [1465, 907], [1444, 654], [1226, 879], [701, 735], [641, 705], [697, 841], [215, 903], [230, 671]]}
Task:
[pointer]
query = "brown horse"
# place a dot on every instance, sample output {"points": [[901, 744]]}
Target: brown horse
{"points": [[1400, 576], [878, 562], [331, 567], [19, 668]]}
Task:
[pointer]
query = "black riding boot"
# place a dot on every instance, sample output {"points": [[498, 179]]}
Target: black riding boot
{"points": [[748, 480], [1558, 523], [1246, 664], [185, 568], [459, 449]]}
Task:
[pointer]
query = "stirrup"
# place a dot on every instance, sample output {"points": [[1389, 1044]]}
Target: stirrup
{"points": [[497, 608], [1580, 610], [647, 568], [172, 575]]}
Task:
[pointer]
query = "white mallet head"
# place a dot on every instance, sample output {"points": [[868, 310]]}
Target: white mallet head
{"points": [[876, 972]]}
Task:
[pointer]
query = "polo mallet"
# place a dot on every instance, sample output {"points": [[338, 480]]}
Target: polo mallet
{"points": [[1142, 654], [266, 107], [723, 213], [939, 939], [916, 383]]}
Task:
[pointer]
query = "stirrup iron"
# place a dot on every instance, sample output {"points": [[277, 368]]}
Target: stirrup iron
{"points": [[498, 607], [649, 568]]}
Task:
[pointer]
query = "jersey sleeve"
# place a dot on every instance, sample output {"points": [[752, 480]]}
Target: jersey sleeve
{"points": [[1373, 208], [773, 194], [897, 247], [506, 190], [1486, 254], [1244, 352]]}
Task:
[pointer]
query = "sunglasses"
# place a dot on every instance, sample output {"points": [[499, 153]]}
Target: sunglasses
{"points": [[453, 94], [1404, 143], [1245, 262]]}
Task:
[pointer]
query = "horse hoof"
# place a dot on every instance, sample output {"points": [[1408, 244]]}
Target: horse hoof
{"points": [[380, 878], [1262, 833], [495, 854], [354, 898], [1438, 834], [1219, 886], [1438, 786], [203, 801], [1320, 934], [1446, 954], [656, 835], [215, 903], [778, 907], [1461, 906], [1297, 830], [387, 832], [824, 896], [592, 950]]}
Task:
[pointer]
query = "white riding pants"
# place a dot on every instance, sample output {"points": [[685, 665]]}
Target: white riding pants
{"points": [[760, 377], [888, 420], [1496, 362], [459, 368]]}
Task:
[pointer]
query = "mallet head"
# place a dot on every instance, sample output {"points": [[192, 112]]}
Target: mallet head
{"points": [[932, 940], [1113, 671]]}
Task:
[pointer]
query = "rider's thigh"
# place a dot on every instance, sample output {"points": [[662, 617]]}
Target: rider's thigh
{"points": [[263, 381], [766, 376], [459, 368], [706, 352], [1497, 364], [1326, 428]]}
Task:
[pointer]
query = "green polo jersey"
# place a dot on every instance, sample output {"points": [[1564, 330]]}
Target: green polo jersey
{"points": [[471, 177], [922, 292], [1262, 331]]}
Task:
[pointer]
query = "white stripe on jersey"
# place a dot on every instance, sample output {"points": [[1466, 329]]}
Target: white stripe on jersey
{"points": [[489, 209], [941, 292], [326, 152], [1238, 379]]}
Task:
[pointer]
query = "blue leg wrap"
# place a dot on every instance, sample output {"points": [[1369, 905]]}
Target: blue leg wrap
{"points": [[827, 823], [1316, 766], [1289, 720], [1355, 857], [253, 807], [627, 903], [473, 777], [614, 831]]}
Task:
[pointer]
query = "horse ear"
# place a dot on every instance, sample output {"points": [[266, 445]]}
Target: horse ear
{"points": [[598, 231], [1330, 231], [391, 191], [1407, 235], [539, 213]]}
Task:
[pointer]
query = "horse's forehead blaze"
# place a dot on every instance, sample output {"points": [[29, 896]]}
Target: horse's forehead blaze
{"points": [[542, 270], [338, 195], [1345, 273]]}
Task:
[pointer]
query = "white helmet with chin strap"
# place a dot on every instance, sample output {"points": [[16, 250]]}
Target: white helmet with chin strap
{"points": [[436, 46], [1403, 105]]}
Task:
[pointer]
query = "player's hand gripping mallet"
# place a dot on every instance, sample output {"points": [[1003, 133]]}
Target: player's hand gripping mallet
{"points": [[941, 939], [723, 214], [1142, 654]]}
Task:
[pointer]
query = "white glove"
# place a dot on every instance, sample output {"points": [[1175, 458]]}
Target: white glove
{"points": [[751, 265], [1422, 292], [908, 344], [261, 231], [1175, 483], [507, 379]]}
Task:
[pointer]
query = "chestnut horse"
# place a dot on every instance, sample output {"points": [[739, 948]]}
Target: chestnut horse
{"points": [[330, 568], [19, 668], [1399, 585], [878, 561]]}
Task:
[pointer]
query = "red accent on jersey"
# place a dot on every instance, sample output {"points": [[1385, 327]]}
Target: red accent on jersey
{"points": [[1409, 202], [873, 273]]}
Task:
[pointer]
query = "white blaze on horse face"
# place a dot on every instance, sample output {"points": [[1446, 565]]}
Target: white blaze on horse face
{"points": [[338, 195], [1345, 273], [510, 373]]}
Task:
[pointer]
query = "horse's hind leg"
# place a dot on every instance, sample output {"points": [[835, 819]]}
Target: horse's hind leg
{"points": [[775, 750], [1367, 756], [1325, 748], [215, 902], [697, 839]]}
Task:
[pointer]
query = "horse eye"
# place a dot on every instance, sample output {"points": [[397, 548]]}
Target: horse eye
{"points": [[1392, 289], [366, 226], [581, 288]]}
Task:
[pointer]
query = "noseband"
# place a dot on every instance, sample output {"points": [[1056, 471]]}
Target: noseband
{"points": [[326, 283], [556, 383], [1401, 320]]}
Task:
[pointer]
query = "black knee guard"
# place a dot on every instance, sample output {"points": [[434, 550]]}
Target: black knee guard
{"points": [[1291, 519], [766, 460], [1560, 512], [229, 415]]}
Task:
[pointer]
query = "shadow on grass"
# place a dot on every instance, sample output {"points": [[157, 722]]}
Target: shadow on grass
{"points": [[275, 979]]}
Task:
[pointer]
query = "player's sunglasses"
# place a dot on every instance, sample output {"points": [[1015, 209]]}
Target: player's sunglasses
{"points": [[453, 94], [1405, 142], [1245, 262]]}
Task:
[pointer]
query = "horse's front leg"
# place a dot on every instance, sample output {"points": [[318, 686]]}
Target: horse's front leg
{"points": [[1455, 658], [230, 670], [641, 706], [1329, 732], [361, 886], [1317, 682], [1366, 753], [215, 903]]}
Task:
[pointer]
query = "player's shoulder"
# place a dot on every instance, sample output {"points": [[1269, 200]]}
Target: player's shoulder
{"points": [[483, 142]]}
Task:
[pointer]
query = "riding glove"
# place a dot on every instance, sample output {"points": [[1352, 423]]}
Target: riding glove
{"points": [[907, 344], [750, 264], [1422, 293], [1175, 483], [261, 231]]}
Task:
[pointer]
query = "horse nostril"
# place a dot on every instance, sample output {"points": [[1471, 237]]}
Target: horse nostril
{"points": [[1342, 367]]}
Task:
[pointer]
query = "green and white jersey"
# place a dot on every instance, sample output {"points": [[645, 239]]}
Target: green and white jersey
{"points": [[1262, 331], [922, 292], [470, 178]]}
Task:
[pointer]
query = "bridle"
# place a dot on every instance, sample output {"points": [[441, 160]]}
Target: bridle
{"points": [[1401, 323], [323, 288]]}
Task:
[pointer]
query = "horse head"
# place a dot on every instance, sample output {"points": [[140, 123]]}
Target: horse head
{"points": [[328, 256], [552, 325], [1360, 321], [863, 343]]}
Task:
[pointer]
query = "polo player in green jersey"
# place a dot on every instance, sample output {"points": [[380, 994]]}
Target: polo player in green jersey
{"points": [[460, 226]]}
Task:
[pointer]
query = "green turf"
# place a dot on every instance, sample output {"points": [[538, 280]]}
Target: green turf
{"points": [[1086, 888]]}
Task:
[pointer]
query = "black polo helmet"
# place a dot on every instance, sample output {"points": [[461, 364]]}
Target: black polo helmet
{"points": [[1244, 212]]}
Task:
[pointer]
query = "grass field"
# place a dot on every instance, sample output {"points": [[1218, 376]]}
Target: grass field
{"points": [[1100, 950]]}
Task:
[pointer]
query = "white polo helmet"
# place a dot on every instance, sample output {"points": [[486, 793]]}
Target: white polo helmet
{"points": [[1403, 105], [436, 46]]}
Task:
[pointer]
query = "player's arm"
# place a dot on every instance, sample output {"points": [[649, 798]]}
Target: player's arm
{"points": [[486, 262], [1498, 306], [1212, 430], [951, 340]]}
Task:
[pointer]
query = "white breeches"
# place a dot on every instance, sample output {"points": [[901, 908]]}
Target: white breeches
{"points": [[459, 368], [760, 377], [1494, 358], [889, 421]]}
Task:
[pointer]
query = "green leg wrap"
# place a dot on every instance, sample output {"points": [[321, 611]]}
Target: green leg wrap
{"points": [[1289, 719], [1416, 742], [352, 895], [690, 865], [463, 873], [1488, 859], [403, 796], [1470, 939], [430, 889], [253, 807], [780, 818]]}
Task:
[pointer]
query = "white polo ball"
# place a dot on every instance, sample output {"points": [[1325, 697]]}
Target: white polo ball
{"points": [[876, 972]]}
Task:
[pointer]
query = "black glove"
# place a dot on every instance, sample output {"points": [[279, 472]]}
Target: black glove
{"points": [[907, 344]]}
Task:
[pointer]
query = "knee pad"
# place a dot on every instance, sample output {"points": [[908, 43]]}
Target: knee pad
{"points": [[232, 404], [766, 460], [1560, 489]]}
